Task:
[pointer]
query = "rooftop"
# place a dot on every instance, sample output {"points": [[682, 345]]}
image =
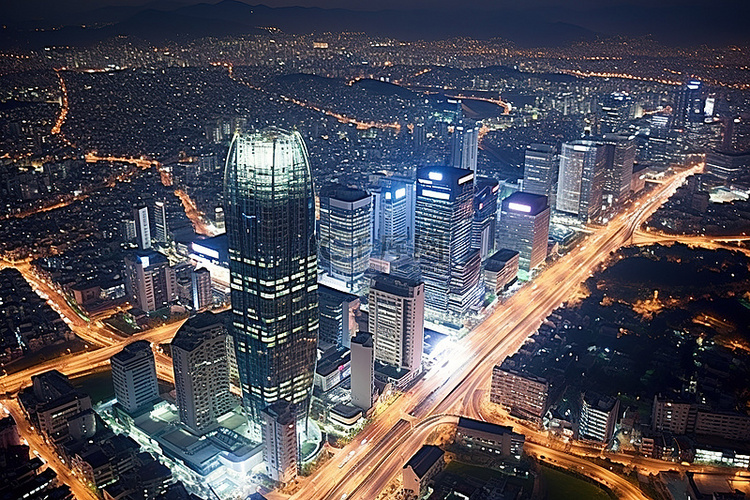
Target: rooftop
{"points": [[424, 459]]}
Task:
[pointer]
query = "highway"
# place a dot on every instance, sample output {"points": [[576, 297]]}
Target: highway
{"points": [[452, 387]]}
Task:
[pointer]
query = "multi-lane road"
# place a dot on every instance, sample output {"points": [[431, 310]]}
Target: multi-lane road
{"points": [[398, 433]]}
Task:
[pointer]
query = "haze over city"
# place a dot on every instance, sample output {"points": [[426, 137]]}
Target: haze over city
{"points": [[389, 250]]}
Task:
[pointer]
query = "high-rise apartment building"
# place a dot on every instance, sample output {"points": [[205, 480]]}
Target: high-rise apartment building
{"points": [[524, 395], [150, 282], [345, 234], [396, 318], [161, 231], [540, 169], [484, 226], [142, 227], [280, 440], [201, 371], [443, 224], [581, 180], [134, 376], [618, 169], [598, 417], [270, 218], [524, 227]]}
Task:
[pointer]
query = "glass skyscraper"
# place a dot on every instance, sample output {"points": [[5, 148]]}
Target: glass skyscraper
{"points": [[270, 219]]}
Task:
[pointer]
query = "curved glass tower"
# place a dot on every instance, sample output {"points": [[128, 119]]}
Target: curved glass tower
{"points": [[270, 220]]}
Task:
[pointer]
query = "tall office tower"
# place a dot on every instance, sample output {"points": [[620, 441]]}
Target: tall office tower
{"points": [[161, 232], [613, 110], [618, 170], [394, 201], [688, 105], [142, 227], [202, 294], [134, 376], [540, 169], [396, 318], [345, 234], [450, 267], [201, 371], [337, 317], [581, 180], [484, 227], [270, 217], [150, 282], [280, 440], [524, 227], [465, 146], [362, 379]]}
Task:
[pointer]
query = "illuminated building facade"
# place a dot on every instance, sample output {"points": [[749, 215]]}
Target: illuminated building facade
{"points": [[270, 218], [524, 227], [393, 214], [345, 234], [443, 222], [134, 376], [539, 169], [465, 146], [201, 371], [142, 227], [618, 172], [161, 232], [581, 180], [150, 282], [396, 318]]}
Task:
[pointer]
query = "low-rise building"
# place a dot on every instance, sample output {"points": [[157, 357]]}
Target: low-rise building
{"points": [[420, 470], [489, 438], [500, 270], [522, 394]]}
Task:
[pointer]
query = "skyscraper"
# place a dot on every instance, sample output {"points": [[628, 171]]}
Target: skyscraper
{"points": [[142, 227], [362, 370], [581, 180], [688, 105], [396, 317], [161, 232], [540, 169], [465, 146], [270, 218], [393, 214], [618, 169], [201, 371], [524, 227], [484, 226], [150, 282], [443, 221], [280, 440], [134, 376], [345, 234], [337, 320]]}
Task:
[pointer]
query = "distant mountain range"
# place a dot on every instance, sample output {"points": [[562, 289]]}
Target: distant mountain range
{"points": [[720, 23]]}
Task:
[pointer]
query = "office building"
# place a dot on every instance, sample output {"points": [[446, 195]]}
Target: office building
{"points": [[150, 283], [393, 206], [465, 146], [270, 217], [420, 470], [522, 394], [362, 370], [598, 417], [443, 225], [280, 441], [688, 105], [727, 165], [500, 270], [345, 235], [581, 180], [484, 226], [618, 169], [337, 317], [161, 231], [134, 376], [142, 227], [489, 438], [396, 318], [524, 227], [540, 169], [201, 371], [201, 288]]}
